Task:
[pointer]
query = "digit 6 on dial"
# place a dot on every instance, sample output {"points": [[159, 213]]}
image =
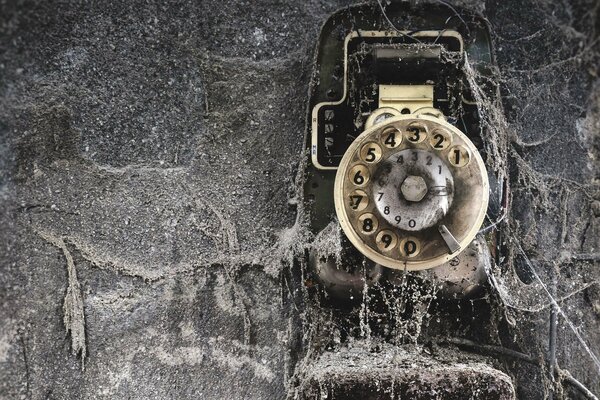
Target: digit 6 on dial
{"points": [[425, 190]]}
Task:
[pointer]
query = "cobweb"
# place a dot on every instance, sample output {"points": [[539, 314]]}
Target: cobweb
{"points": [[541, 133], [546, 128]]}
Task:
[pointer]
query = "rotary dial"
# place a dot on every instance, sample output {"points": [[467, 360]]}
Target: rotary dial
{"points": [[411, 192]]}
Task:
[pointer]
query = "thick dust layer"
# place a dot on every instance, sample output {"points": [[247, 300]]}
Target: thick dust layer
{"points": [[149, 186]]}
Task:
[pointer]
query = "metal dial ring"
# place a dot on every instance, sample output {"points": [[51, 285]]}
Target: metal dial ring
{"points": [[411, 192]]}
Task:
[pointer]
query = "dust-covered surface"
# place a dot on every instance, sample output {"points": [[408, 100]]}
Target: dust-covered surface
{"points": [[359, 372], [148, 158]]}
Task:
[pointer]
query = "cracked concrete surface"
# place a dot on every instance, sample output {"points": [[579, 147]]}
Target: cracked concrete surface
{"points": [[148, 157]]}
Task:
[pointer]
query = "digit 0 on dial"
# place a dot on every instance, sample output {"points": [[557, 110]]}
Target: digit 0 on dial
{"points": [[405, 180]]}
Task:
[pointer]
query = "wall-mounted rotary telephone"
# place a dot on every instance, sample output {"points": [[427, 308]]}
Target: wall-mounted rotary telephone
{"points": [[396, 148], [397, 187]]}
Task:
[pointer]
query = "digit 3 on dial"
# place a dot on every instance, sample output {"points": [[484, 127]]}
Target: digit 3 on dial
{"points": [[411, 192]]}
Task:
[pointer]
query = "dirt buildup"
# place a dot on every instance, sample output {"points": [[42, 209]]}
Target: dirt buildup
{"points": [[151, 223]]}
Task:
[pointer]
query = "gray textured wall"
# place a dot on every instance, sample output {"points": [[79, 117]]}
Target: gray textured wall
{"points": [[147, 163]]}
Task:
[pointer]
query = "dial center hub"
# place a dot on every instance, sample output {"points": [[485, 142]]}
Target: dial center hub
{"points": [[414, 188]]}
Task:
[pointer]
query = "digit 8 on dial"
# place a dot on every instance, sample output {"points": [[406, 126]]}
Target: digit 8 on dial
{"points": [[405, 180]]}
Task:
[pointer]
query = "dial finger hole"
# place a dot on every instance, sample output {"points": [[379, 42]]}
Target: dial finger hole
{"points": [[410, 247], [459, 156], [391, 138], [440, 139], [368, 223], [358, 200], [370, 152], [416, 132], [386, 240], [359, 175]]}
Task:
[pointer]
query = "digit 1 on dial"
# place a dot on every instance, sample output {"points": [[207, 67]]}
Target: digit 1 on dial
{"points": [[459, 156]]}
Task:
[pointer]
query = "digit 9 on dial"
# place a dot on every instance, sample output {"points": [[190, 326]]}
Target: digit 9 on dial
{"points": [[411, 192]]}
